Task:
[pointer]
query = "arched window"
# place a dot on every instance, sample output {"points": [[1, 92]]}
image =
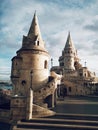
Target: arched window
{"points": [[45, 64], [23, 82], [38, 43]]}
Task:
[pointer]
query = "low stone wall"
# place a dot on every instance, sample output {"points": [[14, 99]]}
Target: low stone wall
{"points": [[41, 112], [45, 91], [5, 115]]}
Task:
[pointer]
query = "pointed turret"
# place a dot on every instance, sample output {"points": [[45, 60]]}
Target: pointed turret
{"points": [[69, 43], [34, 30], [34, 39], [33, 56], [69, 56]]}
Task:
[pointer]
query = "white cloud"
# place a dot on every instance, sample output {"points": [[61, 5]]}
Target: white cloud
{"points": [[56, 18], [5, 69]]}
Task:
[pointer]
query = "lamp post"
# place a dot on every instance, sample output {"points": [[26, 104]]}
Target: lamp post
{"points": [[51, 62], [85, 63]]}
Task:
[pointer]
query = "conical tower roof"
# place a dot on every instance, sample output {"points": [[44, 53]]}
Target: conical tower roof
{"points": [[34, 30], [33, 40], [69, 43]]}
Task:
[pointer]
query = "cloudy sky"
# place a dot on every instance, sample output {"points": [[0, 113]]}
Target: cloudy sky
{"points": [[56, 19]]}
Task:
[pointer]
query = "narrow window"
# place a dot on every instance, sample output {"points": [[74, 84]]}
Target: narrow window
{"points": [[80, 74], [45, 64], [69, 89], [38, 43], [23, 82]]}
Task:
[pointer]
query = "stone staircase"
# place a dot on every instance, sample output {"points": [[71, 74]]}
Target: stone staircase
{"points": [[41, 112], [60, 122]]}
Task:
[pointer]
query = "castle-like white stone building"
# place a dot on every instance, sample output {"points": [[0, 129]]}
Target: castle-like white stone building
{"points": [[33, 88], [76, 79]]}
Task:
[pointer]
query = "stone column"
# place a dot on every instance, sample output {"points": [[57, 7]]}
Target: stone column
{"points": [[30, 100], [52, 99], [29, 105]]}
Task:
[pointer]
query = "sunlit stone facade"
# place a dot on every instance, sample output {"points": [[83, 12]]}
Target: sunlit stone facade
{"points": [[32, 85], [76, 79]]}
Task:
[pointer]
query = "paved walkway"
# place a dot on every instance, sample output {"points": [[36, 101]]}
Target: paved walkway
{"points": [[77, 105]]}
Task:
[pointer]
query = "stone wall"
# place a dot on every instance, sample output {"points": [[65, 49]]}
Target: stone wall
{"points": [[18, 107], [5, 115], [45, 91]]}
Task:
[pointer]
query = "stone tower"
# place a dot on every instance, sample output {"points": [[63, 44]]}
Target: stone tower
{"points": [[33, 58], [33, 89], [69, 56]]}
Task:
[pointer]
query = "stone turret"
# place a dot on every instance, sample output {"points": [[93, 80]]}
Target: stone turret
{"points": [[69, 53], [34, 39], [31, 57], [69, 56], [32, 86]]}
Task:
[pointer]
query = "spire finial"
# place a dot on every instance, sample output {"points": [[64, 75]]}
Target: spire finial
{"points": [[69, 41], [85, 63], [35, 13], [68, 32], [69, 37], [51, 62]]}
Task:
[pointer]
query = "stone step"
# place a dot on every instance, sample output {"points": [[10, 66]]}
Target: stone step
{"points": [[63, 121], [60, 122], [15, 128], [26, 125], [75, 116]]}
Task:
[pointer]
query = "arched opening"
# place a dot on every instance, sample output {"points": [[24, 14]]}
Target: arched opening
{"points": [[38, 43], [45, 64], [85, 74], [61, 91], [48, 100], [23, 82], [51, 99]]}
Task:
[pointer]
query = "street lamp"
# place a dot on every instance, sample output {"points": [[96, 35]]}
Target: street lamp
{"points": [[51, 62]]}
